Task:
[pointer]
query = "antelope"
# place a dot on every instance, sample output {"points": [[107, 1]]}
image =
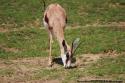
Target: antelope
{"points": [[55, 20]]}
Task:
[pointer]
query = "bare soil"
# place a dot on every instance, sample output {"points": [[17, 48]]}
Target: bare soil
{"points": [[22, 70]]}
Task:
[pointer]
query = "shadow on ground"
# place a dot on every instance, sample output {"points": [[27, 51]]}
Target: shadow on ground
{"points": [[58, 60]]}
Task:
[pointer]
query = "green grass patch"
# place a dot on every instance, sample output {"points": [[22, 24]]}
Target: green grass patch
{"points": [[16, 13], [33, 42], [113, 67]]}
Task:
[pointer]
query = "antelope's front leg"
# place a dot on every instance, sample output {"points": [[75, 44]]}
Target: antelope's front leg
{"points": [[50, 49]]}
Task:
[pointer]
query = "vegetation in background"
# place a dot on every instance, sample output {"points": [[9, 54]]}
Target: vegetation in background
{"points": [[32, 42], [15, 13]]}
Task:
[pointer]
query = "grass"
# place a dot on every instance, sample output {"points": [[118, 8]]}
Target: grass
{"points": [[109, 66], [33, 42], [6, 72], [16, 13], [113, 68], [29, 41], [105, 68]]}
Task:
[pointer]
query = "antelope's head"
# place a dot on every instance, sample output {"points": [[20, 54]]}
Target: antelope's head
{"points": [[69, 52]]}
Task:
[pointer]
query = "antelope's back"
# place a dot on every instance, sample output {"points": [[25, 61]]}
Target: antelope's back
{"points": [[55, 16]]}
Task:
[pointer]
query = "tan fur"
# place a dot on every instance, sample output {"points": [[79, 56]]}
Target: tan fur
{"points": [[56, 17]]}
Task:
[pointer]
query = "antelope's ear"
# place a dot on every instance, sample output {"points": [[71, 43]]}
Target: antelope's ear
{"points": [[75, 45], [64, 45]]}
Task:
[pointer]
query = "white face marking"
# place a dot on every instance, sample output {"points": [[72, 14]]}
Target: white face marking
{"points": [[69, 63], [64, 58]]}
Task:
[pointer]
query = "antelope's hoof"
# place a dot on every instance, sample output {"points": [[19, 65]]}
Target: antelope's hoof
{"points": [[50, 64]]}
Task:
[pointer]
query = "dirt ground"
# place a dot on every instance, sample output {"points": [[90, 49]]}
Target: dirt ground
{"points": [[17, 71]]}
